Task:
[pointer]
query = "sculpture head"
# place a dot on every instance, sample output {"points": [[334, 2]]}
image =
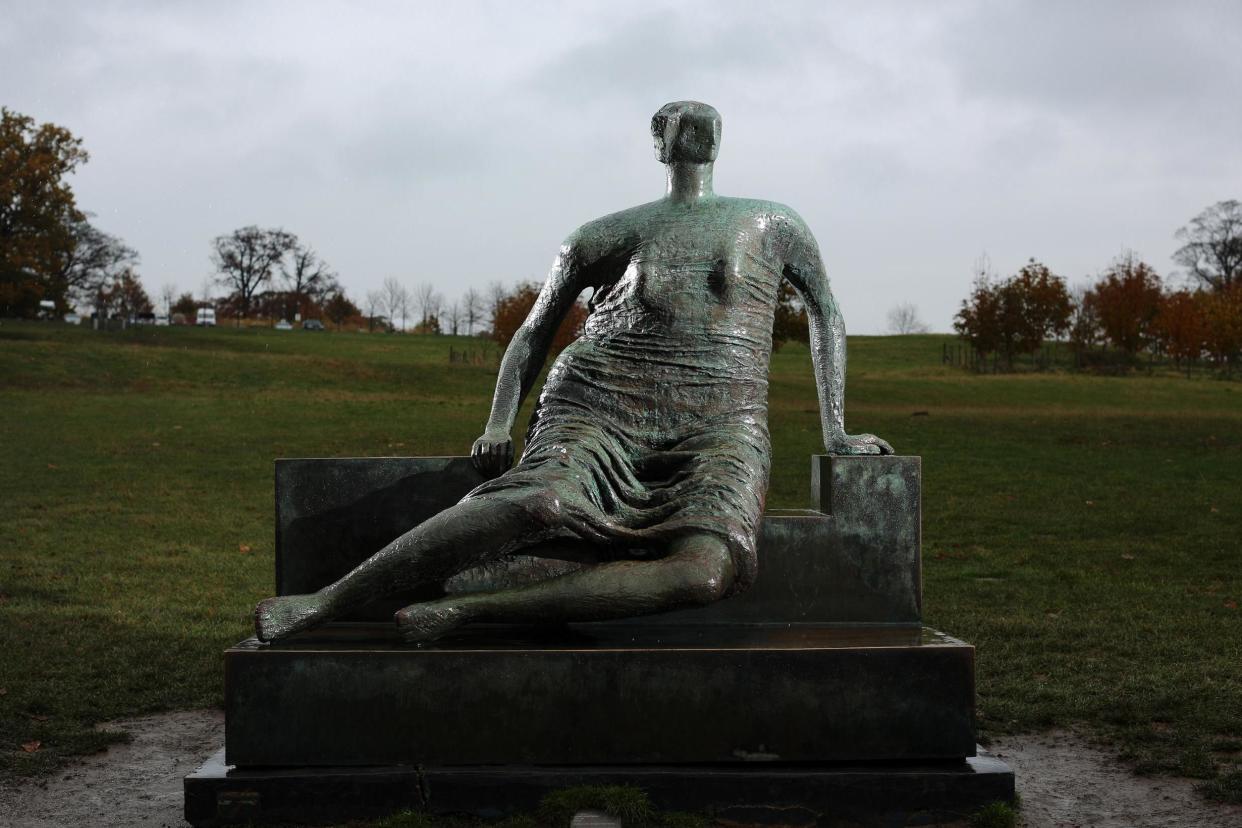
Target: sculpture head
{"points": [[686, 131]]}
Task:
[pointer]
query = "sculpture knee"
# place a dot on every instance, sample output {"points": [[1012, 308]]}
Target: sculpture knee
{"points": [[705, 571], [543, 505]]}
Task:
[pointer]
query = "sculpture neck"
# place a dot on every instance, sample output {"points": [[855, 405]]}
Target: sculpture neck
{"points": [[689, 182]]}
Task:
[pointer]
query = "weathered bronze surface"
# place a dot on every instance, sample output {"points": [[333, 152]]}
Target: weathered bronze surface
{"points": [[646, 462], [854, 559]]}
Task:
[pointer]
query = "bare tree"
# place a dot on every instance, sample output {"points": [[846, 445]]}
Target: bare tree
{"points": [[396, 299], [424, 294], [497, 293], [454, 316], [168, 295], [472, 308], [305, 274], [245, 258], [1212, 246], [93, 263], [904, 319], [374, 304]]}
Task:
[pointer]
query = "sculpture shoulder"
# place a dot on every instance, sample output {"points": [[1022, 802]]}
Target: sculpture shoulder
{"points": [[608, 230], [781, 218]]}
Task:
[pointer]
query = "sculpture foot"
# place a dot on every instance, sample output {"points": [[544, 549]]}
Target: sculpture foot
{"points": [[419, 623], [285, 615]]}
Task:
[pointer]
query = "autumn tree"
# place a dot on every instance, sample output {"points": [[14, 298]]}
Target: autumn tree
{"points": [[1211, 248], [186, 305], [131, 299], [513, 308], [245, 260], [1127, 299], [1084, 323], [1180, 326], [1222, 323], [1015, 315], [339, 309], [37, 210]]}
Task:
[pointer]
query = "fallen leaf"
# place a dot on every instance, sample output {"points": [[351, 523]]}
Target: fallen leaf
{"points": [[243, 548], [31, 747], [176, 428], [38, 717], [52, 466], [1090, 502], [1126, 556], [4, 691], [1231, 605], [1214, 509], [155, 445]]}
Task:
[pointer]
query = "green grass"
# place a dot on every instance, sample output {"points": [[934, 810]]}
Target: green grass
{"points": [[1085, 533]]}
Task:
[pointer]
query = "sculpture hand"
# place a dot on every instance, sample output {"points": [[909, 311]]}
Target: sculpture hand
{"points": [[492, 453], [858, 444]]}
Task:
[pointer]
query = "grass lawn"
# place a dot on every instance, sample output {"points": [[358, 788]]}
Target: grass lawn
{"points": [[1085, 533]]}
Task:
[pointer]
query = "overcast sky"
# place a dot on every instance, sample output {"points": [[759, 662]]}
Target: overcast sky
{"points": [[458, 143]]}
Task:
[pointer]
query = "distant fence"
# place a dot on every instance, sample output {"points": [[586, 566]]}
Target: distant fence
{"points": [[1062, 356], [961, 354], [471, 356]]}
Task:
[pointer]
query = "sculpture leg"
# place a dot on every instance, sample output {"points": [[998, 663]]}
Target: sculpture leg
{"points": [[698, 570], [461, 536]]}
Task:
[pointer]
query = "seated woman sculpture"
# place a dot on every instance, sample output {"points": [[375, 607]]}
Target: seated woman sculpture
{"points": [[646, 463]]}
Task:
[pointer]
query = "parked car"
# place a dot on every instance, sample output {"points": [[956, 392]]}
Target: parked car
{"points": [[283, 325], [72, 319], [161, 320], [312, 325], [207, 316]]}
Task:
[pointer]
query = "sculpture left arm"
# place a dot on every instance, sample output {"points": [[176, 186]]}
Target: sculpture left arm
{"points": [[805, 271], [492, 453]]}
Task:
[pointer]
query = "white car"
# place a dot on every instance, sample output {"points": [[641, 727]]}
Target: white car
{"points": [[207, 316], [283, 325], [161, 321], [72, 319]]}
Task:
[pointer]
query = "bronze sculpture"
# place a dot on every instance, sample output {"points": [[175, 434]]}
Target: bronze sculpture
{"points": [[646, 463]]}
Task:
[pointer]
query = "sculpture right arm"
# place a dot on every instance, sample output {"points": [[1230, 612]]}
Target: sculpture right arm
{"points": [[492, 453]]}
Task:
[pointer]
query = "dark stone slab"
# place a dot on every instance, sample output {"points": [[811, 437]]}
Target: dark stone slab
{"points": [[876, 504], [857, 795], [332, 514], [601, 695], [856, 560]]}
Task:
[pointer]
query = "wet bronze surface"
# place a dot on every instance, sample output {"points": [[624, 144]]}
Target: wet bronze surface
{"points": [[645, 469]]}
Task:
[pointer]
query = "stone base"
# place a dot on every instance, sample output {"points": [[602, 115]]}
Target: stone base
{"points": [[600, 695], [821, 795]]}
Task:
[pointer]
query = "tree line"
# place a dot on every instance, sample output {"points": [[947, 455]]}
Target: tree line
{"points": [[1128, 312]]}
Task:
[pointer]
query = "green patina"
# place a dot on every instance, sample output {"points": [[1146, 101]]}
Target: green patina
{"points": [[646, 463]]}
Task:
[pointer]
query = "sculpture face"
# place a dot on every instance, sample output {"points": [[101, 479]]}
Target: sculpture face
{"points": [[686, 131]]}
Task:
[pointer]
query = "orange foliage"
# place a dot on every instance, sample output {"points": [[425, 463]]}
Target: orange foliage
{"points": [[1180, 325], [1127, 299], [512, 310]]}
